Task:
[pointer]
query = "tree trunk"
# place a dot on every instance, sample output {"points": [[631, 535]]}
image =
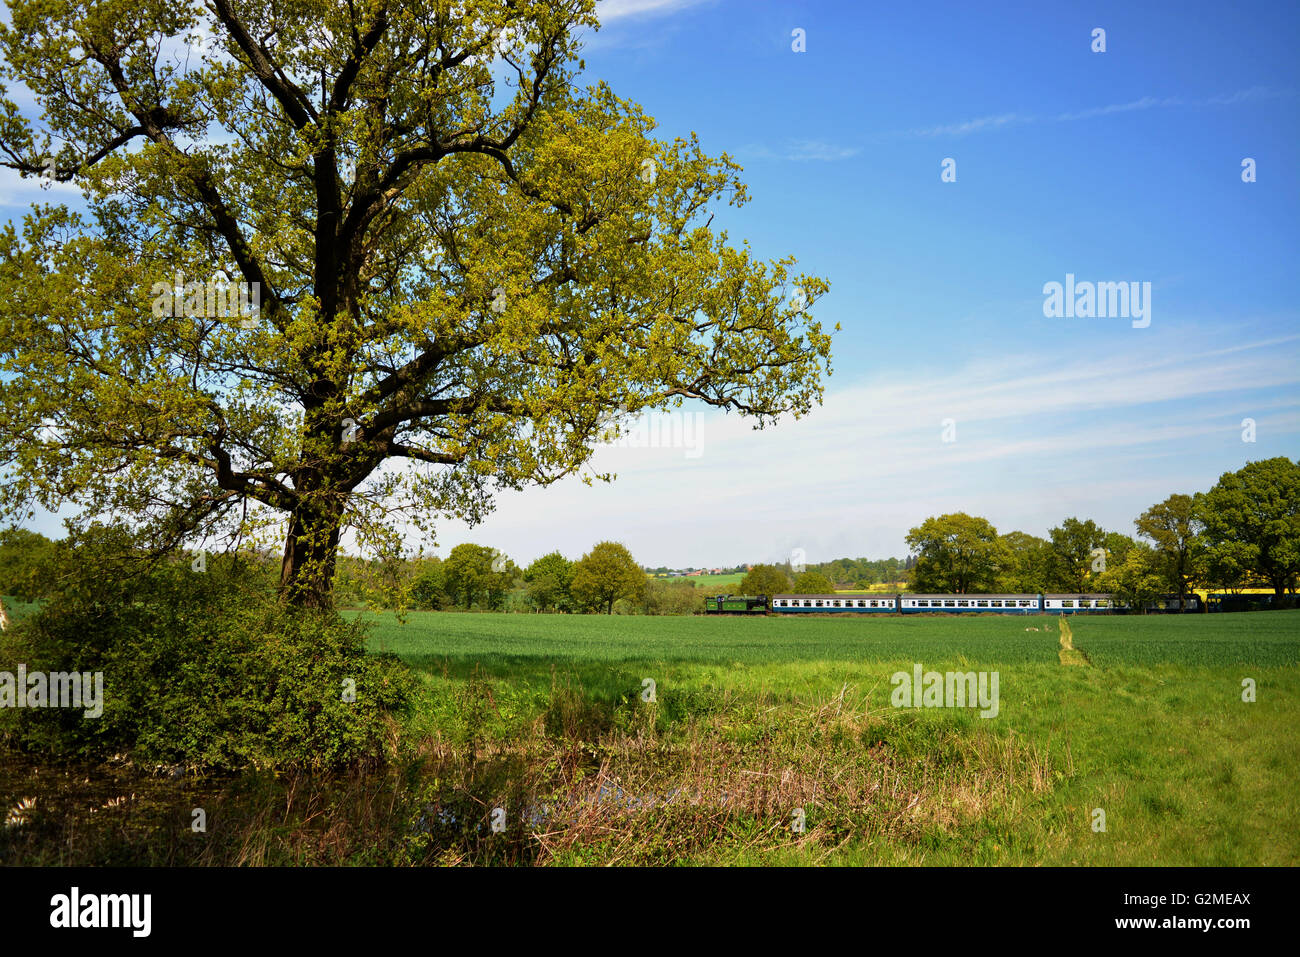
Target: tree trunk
{"points": [[310, 549]]}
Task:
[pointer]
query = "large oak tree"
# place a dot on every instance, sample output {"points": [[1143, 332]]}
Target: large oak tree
{"points": [[465, 261]]}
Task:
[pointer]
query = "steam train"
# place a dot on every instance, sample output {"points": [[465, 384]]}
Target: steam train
{"points": [[912, 604]]}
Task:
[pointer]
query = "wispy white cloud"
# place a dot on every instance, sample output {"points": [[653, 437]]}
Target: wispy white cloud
{"points": [[983, 124], [1146, 103], [611, 10], [976, 125], [800, 151], [1253, 93]]}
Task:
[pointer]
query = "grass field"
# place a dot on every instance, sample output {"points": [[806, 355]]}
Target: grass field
{"points": [[702, 740], [1141, 717]]}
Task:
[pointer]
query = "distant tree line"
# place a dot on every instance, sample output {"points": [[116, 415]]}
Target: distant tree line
{"points": [[1242, 533], [479, 578]]}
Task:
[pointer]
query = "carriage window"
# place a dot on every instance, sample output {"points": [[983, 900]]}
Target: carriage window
{"points": [[1024, 604], [981, 604], [996, 604], [950, 604], [808, 604], [819, 603], [1067, 604], [863, 604], [1101, 603], [963, 604], [836, 603]]}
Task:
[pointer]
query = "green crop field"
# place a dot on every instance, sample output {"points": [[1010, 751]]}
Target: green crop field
{"points": [[1142, 718], [709, 584], [1270, 638], [509, 641]]}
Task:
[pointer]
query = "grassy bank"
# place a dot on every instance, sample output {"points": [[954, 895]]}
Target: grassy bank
{"points": [[758, 725], [1146, 723]]}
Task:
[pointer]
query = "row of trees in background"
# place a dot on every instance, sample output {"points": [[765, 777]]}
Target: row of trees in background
{"points": [[479, 577], [1242, 533], [471, 577]]}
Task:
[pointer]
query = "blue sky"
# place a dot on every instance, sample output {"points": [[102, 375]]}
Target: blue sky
{"points": [[1115, 166]]}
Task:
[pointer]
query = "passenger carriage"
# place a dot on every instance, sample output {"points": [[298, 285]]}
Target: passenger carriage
{"points": [[969, 604], [1073, 604], [832, 604], [913, 604]]}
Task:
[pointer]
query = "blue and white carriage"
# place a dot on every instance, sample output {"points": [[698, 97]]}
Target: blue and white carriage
{"points": [[940, 604], [823, 604], [968, 604]]}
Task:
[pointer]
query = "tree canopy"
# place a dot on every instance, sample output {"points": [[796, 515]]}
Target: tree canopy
{"points": [[1252, 520], [764, 580], [606, 574], [1072, 557], [1174, 526], [549, 579], [812, 583], [343, 262], [955, 553], [477, 574], [1025, 563]]}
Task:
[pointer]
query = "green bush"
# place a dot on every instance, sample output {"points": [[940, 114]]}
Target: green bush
{"points": [[672, 598], [204, 670]]}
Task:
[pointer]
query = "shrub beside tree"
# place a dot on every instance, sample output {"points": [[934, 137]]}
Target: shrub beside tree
{"points": [[672, 597], [202, 669]]}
